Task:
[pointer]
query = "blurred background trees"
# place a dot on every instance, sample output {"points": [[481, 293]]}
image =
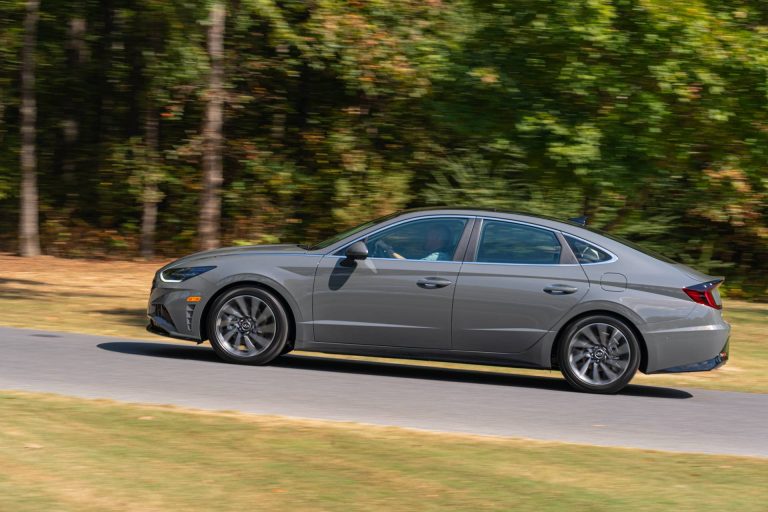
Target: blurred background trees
{"points": [[168, 126]]}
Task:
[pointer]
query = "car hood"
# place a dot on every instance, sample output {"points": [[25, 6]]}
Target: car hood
{"points": [[233, 251]]}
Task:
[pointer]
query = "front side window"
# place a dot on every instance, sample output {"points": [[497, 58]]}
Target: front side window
{"points": [[586, 252], [426, 240], [508, 242]]}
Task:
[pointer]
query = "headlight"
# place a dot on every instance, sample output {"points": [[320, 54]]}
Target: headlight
{"points": [[177, 275]]}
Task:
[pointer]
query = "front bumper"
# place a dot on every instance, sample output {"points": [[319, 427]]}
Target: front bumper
{"points": [[156, 329], [171, 313], [702, 366]]}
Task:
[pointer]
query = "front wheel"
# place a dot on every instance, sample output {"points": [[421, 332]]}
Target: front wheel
{"points": [[599, 354], [248, 325]]}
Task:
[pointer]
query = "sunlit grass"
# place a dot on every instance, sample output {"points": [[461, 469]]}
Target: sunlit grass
{"points": [[67, 454], [109, 298]]}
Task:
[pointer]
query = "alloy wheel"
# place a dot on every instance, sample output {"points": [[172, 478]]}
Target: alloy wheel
{"points": [[245, 326], [599, 354]]}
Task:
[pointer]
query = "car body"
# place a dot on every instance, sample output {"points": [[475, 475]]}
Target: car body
{"points": [[472, 286]]}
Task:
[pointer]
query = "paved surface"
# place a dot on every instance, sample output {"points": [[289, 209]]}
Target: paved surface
{"points": [[386, 394]]}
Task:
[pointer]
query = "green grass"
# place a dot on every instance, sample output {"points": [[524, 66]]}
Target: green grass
{"points": [[109, 298], [65, 454]]}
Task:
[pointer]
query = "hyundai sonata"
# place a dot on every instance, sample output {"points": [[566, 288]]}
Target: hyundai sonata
{"points": [[460, 285]]}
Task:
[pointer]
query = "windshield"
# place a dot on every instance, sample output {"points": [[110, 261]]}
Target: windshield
{"points": [[344, 234]]}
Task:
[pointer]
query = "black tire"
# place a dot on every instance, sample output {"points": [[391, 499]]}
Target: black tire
{"points": [[274, 348], [570, 344]]}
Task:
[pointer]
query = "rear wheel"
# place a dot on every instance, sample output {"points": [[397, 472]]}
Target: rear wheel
{"points": [[248, 325], [599, 354]]}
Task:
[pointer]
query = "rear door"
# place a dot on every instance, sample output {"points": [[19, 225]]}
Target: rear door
{"points": [[518, 283]]}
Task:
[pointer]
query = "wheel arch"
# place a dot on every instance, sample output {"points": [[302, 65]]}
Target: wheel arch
{"points": [[603, 312], [250, 282]]}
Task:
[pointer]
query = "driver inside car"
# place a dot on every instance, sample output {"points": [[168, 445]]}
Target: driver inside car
{"points": [[436, 245]]}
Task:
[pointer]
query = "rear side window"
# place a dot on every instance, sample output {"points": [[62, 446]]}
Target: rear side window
{"points": [[508, 242], [586, 252]]}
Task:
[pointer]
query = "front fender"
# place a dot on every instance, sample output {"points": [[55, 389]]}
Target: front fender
{"points": [[297, 309]]}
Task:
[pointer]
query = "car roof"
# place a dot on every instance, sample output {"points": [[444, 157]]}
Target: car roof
{"points": [[488, 212], [567, 226]]}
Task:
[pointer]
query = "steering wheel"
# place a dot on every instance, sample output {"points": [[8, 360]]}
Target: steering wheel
{"points": [[382, 249]]}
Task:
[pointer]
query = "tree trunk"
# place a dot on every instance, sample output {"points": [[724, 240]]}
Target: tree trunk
{"points": [[29, 235], [150, 195], [75, 119], [210, 204]]}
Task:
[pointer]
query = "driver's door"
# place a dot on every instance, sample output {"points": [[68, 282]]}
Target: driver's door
{"points": [[387, 301]]}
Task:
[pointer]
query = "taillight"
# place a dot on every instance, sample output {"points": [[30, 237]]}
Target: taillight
{"points": [[706, 294]]}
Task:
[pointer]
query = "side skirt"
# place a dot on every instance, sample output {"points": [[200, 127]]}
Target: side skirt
{"points": [[529, 359]]}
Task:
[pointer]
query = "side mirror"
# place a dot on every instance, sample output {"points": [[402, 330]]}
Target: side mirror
{"points": [[357, 251]]}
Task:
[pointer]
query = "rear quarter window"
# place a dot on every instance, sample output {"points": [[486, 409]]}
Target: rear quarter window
{"points": [[586, 252]]}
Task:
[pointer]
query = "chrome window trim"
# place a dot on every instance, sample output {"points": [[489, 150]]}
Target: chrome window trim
{"points": [[523, 264], [396, 259], [613, 259], [344, 245]]}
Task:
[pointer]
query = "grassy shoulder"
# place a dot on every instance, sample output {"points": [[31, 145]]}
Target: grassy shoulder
{"points": [[60, 453], [109, 298]]}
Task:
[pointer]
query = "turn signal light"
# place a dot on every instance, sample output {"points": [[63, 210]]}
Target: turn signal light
{"points": [[194, 298]]}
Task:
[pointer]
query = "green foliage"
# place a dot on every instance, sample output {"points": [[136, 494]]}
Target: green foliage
{"points": [[11, 16], [649, 116]]}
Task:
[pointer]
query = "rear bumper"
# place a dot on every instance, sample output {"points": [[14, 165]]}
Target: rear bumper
{"points": [[686, 343], [702, 366]]}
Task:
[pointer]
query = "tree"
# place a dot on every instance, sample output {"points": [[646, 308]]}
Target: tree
{"points": [[29, 236], [210, 204], [648, 115], [150, 194]]}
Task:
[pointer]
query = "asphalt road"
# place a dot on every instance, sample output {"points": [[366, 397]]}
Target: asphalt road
{"points": [[386, 394]]}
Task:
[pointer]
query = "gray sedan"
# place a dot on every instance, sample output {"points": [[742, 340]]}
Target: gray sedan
{"points": [[460, 285]]}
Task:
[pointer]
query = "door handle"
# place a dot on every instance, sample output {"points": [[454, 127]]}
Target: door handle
{"points": [[560, 289], [430, 283]]}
